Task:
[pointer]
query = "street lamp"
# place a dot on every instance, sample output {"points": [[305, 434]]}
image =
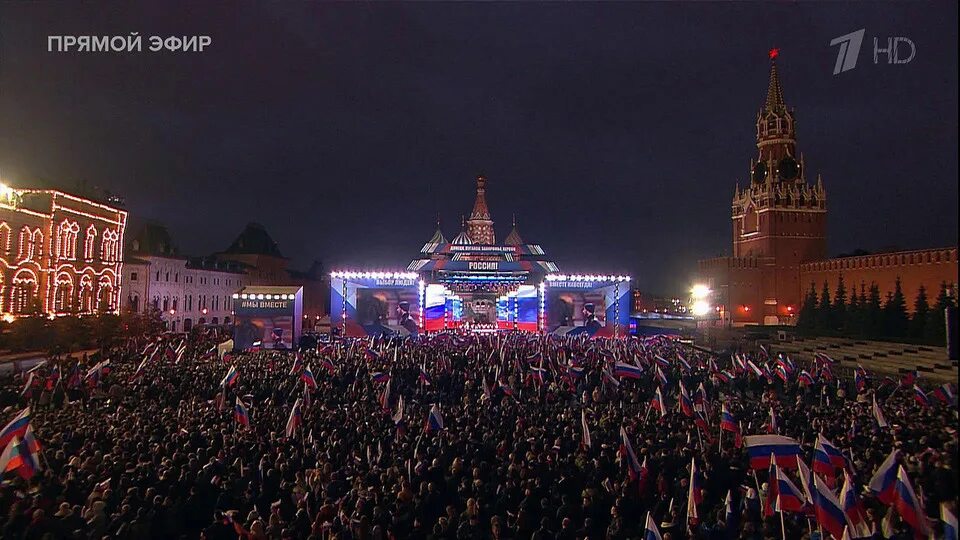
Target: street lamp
{"points": [[700, 296]]}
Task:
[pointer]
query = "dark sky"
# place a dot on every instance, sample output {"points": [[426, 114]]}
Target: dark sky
{"points": [[615, 131]]}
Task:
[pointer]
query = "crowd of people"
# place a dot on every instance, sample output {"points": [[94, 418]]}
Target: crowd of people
{"points": [[459, 436]]}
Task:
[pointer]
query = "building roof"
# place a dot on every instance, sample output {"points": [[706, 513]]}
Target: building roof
{"points": [[435, 241], [513, 239], [480, 210], [154, 239], [254, 240], [462, 239], [271, 289]]}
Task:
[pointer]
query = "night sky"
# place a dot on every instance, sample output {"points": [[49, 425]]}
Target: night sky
{"points": [[615, 132]]}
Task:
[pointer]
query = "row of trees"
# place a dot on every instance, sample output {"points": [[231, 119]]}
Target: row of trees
{"points": [[72, 333], [866, 314]]}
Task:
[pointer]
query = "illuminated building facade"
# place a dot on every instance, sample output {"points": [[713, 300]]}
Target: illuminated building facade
{"points": [[183, 291], [779, 225], [59, 254]]}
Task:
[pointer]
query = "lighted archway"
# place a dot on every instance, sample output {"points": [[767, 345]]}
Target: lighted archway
{"points": [[105, 294], [86, 293], [23, 291], [63, 293]]}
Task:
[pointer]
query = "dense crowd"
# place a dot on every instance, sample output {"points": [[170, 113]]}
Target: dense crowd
{"points": [[452, 436]]}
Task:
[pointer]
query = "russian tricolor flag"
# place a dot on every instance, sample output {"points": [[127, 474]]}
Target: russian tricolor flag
{"points": [[686, 404], [434, 420], [727, 421], [240, 414], [230, 378], [326, 364], [884, 480], [627, 371], [949, 523], [878, 414], [695, 493], [760, 447], [789, 497], [308, 378], [827, 508], [425, 377], [908, 505], [16, 428], [650, 531], [826, 457], [657, 402], [945, 393], [380, 376], [626, 450], [853, 508], [295, 419], [805, 379]]}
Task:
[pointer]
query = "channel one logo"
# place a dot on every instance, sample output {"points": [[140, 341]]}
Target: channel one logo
{"points": [[849, 50]]}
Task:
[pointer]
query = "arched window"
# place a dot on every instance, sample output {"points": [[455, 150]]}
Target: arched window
{"points": [[5, 237], [105, 294], [67, 240], [86, 293], [63, 293], [23, 292], [88, 241], [109, 246]]}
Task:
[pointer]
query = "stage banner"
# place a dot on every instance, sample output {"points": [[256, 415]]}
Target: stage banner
{"points": [[375, 304], [598, 307]]}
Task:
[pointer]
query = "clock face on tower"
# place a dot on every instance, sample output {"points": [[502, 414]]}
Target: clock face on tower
{"points": [[759, 172], [789, 169]]}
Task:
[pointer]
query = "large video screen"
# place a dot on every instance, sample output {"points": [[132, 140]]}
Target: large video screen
{"points": [[598, 308], [267, 320], [364, 305]]}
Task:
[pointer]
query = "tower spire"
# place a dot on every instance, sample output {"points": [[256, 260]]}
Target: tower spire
{"points": [[774, 90], [480, 225]]}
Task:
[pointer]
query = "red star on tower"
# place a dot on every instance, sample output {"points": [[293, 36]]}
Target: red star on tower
{"points": [[773, 53]]}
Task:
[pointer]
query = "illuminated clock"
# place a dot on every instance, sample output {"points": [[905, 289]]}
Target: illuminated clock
{"points": [[759, 172], [789, 169]]}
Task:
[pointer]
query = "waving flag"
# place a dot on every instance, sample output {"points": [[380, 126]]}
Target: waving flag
{"points": [[945, 394], [306, 397], [949, 522], [853, 508], [371, 354], [327, 364], [826, 457], [379, 377], [139, 372], [626, 451], [827, 509], [295, 418], [908, 505], [585, 442], [805, 379], [16, 428], [657, 403], [538, 374], [884, 480], [789, 497], [695, 494], [686, 404], [575, 371], [728, 422], [424, 377], [731, 515], [860, 378], [297, 363], [230, 378], [661, 376], [505, 388], [434, 420], [308, 378], [754, 369], [920, 397], [650, 531], [661, 361], [608, 378], [240, 414], [27, 388], [760, 447], [878, 414], [910, 379], [684, 365], [772, 427], [398, 414], [806, 479], [19, 457], [627, 371]]}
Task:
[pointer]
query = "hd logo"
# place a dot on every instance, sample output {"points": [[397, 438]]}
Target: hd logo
{"points": [[849, 51]]}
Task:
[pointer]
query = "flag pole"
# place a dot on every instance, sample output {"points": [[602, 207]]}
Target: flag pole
{"points": [[783, 527]]}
